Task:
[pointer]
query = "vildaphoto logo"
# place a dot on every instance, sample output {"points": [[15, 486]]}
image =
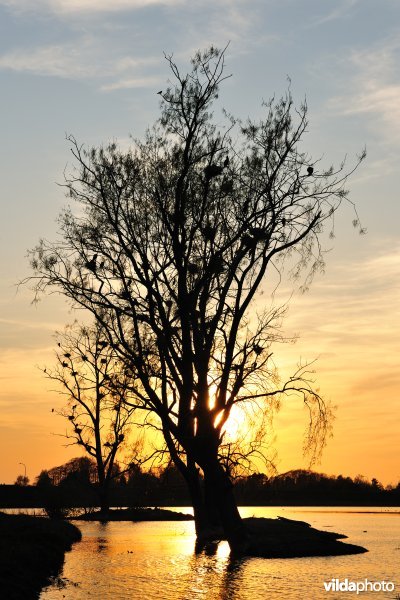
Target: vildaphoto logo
{"points": [[346, 585]]}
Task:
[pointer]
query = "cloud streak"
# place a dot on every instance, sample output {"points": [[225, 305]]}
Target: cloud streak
{"points": [[374, 88], [84, 6], [82, 59], [339, 12]]}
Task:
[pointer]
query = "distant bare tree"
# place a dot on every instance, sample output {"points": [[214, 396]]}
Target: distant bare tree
{"points": [[168, 249], [95, 386]]}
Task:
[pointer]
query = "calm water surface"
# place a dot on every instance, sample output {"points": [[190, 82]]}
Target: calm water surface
{"points": [[123, 560]]}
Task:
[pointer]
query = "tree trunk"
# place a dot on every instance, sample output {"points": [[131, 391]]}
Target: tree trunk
{"points": [[206, 517], [220, 491], [104, 497]]}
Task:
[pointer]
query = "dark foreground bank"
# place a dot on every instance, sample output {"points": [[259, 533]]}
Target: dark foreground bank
{"points": [[31, 550]]}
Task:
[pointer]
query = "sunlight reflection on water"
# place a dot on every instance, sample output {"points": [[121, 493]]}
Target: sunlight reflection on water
{"points": [[156, 560]]}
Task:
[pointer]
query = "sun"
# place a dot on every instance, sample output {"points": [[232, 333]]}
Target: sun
{"points": [[236, 423]]}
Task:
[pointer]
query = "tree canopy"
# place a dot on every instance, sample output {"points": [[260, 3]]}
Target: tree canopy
{"points": [[167, 247]]}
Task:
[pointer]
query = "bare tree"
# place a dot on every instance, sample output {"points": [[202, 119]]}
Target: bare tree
{"points": [[168, 250], [95, 386]]}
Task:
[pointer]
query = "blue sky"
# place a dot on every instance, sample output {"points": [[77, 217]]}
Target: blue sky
{"points": [[92, 68]]}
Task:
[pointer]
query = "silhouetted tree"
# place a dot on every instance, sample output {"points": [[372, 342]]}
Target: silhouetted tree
{"points": [[43, 480], [22, 480], [96, 389], [171, 243], [81, 467]]}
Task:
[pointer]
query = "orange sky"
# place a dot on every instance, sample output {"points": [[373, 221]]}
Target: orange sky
{"points": [[347, 320], [93, 69]]}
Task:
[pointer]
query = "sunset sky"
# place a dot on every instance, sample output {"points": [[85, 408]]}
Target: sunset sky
{"points": [[92, 68]]}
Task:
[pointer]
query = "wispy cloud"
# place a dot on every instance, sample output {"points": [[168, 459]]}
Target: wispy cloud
{"points": [[373, 88], [341, 10], [117, 56], [84, 6], [130, 82], [352, 309], [83, 58], [60, 61]]}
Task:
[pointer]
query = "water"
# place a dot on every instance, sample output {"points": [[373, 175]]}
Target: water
{"points": [[156, 560]]}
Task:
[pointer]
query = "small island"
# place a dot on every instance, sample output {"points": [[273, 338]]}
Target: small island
{"points": [[134, 514]]}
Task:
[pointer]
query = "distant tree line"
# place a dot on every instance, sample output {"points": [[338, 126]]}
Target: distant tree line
{"points": [[75, 483], [303, 487]]}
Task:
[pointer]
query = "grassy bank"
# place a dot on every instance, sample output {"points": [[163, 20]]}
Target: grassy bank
{"points": [[31, 550]]}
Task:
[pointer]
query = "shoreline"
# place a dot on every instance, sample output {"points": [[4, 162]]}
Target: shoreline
{"points": [[32, 550]]}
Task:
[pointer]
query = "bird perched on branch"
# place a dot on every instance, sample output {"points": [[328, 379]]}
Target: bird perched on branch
{"points": [[91, 264], [209, 231], [193, 268], [213, 171], [227, 186], [310, 170]]}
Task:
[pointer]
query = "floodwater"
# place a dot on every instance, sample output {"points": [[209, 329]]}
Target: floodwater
{"points": [[156, 560]]}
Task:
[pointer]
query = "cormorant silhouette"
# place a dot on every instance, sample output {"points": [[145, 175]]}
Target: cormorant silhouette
{"points": [[249, 241], [91, 264], [209, 231], [193, 268], [227, 186], [258, 233], [212, 171], [310, 170]]}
